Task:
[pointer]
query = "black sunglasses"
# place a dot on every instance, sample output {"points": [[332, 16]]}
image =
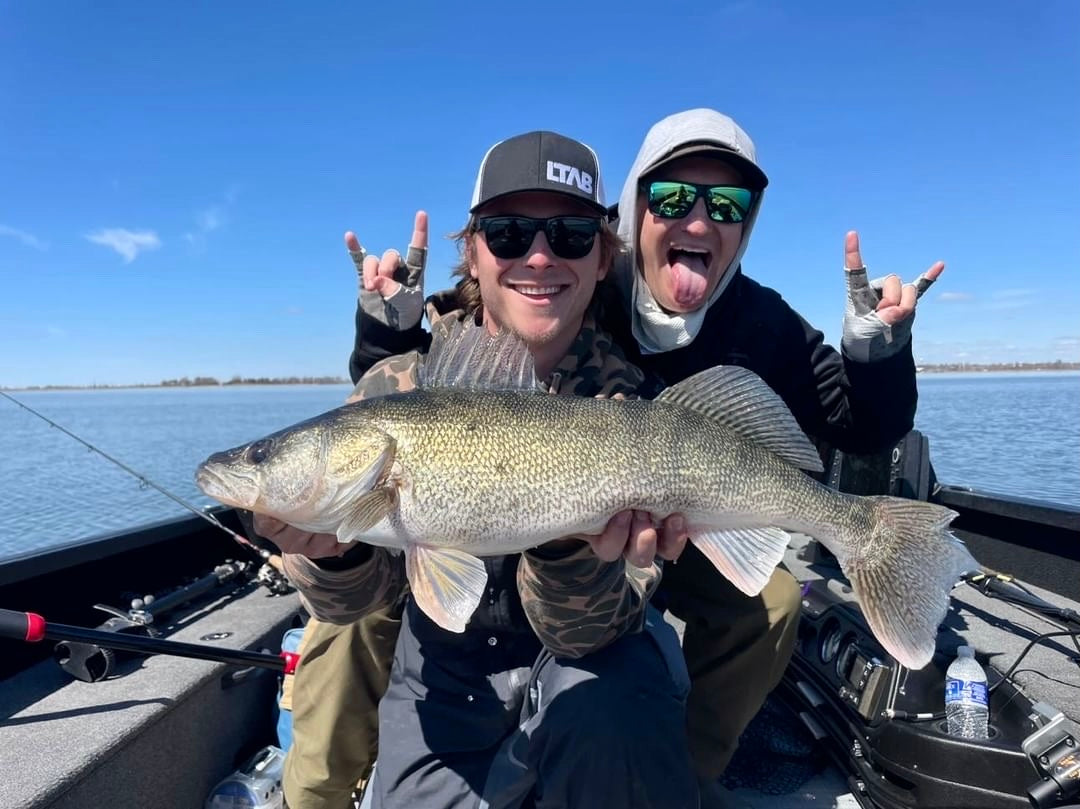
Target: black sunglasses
{"points": [[674, 200], [570, 237]]}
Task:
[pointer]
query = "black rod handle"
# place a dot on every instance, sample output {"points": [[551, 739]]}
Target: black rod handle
{"points": [[30, 627], [21, 626]]}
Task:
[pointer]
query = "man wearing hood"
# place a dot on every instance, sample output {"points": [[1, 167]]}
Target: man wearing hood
{"points": [[680, 303], [686, 212]]}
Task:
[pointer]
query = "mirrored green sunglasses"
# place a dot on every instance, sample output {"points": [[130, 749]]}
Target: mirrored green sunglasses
{"points": [[669, 199]]}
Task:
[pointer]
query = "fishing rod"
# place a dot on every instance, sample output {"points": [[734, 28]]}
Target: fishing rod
{"points": [[270, 558], [32, 628]]}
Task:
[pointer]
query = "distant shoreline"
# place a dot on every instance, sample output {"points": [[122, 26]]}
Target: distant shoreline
{"points": [[172, 384], [209, 382], [1017, 367]]}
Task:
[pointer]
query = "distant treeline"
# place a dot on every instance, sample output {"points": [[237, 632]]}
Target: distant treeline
{"points": [[1057, 365], [186, 382], [201, 381], [210, 381]]}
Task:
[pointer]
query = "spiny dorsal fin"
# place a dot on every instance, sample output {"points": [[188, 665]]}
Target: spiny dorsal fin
{"points": [[741, 401], [464, 355]]}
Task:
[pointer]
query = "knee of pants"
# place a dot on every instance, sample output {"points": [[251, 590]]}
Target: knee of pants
{"points": [[783, 598], [610, 695], [784, 605], [613, 734]]}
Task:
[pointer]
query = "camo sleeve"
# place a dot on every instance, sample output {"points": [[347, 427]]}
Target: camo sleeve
{"points": [[392, 375], [576, 603], [398, 374], [344, 596]]}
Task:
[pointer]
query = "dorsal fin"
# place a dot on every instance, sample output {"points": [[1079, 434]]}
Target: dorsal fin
{"points": [[464, 355], [741, 401]]}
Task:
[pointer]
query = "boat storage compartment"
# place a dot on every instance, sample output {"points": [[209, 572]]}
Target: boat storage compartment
{"points": [[161, 732]]}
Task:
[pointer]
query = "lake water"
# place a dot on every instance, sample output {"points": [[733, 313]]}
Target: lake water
{"points": [[1011, 433]]}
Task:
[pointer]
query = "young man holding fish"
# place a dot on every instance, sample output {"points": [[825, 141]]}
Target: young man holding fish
{"points": [[560, 686], [680, 303]]}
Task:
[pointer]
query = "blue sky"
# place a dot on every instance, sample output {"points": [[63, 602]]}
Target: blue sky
{"points": [[175, 178]]}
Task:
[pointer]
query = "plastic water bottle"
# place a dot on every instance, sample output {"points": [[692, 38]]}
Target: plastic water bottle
{"points": [[256, 785], [966, 709]]}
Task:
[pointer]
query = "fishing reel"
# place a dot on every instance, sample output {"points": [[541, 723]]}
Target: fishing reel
{"points": [[90, 662], [273, 580]]}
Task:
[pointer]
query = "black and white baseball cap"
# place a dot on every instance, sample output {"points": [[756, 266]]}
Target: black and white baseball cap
{"points": [[540, 161]]}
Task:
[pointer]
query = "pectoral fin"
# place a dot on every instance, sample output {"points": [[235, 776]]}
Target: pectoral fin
{"points": [[365, 512], [447, 584], [746, 556]]}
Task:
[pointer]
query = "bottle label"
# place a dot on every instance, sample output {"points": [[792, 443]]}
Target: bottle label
{"points": [[965, 691]]}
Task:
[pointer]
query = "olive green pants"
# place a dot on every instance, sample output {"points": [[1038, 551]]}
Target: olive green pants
{"points": [[335, 692], [736, 650]]}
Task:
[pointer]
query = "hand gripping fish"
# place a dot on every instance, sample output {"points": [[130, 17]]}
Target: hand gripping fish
{"points": [[478, 462]]}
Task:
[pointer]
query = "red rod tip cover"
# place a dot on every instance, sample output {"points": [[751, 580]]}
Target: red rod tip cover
{"points": [[291, 659], [35, 627]]}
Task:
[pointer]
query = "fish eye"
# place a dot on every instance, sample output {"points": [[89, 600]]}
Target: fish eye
{"points": [[260, 450]]}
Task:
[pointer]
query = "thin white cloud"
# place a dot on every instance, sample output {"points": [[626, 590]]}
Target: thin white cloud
{"points": [[128, 243], [210, 219], [1007, 299], [990, 351], [56, 331], [206, 222], [29, 239], [1014, 294], [955, 296]]}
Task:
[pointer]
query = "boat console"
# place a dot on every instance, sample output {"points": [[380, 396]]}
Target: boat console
{"points": [[885, 726]]}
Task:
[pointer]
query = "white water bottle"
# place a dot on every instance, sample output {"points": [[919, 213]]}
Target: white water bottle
{"points": [[966, 708]]}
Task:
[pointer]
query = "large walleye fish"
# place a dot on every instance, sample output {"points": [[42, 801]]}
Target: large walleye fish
{"points": [[477, 462]]}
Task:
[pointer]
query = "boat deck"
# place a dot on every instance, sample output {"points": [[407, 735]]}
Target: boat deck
{"points": [[127, 742]]}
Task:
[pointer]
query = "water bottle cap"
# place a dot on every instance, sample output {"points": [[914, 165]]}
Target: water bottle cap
{"points": [[965, 651]]}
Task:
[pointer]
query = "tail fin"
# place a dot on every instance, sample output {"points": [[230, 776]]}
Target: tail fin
{"points": [[903, 572]]}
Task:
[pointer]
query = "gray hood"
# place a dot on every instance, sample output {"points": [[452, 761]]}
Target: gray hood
{"points": [[655, 329]]}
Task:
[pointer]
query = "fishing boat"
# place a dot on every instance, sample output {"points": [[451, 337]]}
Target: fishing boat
{"points": [[85, 722]]}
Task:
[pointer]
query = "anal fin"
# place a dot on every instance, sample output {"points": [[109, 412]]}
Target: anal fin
{"points": [[746, 556], [446, 583]]}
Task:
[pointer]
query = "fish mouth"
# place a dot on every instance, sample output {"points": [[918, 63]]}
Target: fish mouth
{"points": [[226, 485]]}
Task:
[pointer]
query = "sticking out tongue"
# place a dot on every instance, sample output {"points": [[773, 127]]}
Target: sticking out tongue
{"points": [[690, 277]]}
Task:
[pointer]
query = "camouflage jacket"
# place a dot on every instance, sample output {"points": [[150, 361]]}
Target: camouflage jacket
{"points": [[574, 602]]}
